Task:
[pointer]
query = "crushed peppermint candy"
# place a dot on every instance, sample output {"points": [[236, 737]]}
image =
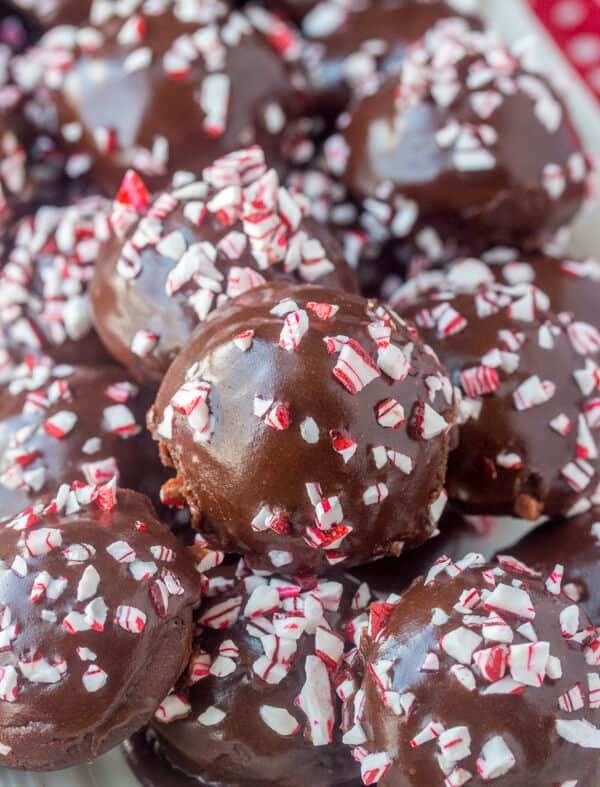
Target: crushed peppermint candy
{"points": [[45, 277], [66, 422], [89, 610], [208, 239], [282, 641]]}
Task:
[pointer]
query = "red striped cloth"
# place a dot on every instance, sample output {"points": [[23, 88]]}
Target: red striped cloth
{"points": [[575, 26]]}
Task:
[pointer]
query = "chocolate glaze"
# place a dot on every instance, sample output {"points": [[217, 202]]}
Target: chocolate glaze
{"points": [[342, 57], [122, 109], [481, 474], [243, 749], [57, 717], [125, 306], [402, 634], [47, 265], [33, 460], [574, 544], [250, 468], [486, 157], [573, 285]]}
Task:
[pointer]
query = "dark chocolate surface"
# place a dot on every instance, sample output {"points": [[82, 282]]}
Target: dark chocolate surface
{"points": [[60, 424], [350, 46], [572, 284], [574, 544]]}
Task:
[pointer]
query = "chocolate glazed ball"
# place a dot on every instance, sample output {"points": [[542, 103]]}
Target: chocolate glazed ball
{"points": [[59, 424], [163, 91], [257, 704], [97, 600], [575, 545], [479, 673], [48, 262], [352, 43], [526, 444], [308, 427], [464, 134], [203, 241]]}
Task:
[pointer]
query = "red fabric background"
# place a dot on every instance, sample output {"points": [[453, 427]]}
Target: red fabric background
{"points": [[575, 26]]}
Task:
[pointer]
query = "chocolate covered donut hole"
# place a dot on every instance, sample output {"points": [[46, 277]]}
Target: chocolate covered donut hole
{"points": [[257, 703], [465, 136], [308, 427], [479, 673], [526, 445], [170, 87], [59, 424], [47, 264], [191, 248], [97, 599], [351, 44]]}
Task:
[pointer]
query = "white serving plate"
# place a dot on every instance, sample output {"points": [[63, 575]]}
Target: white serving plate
{"points": [[513, 20]]}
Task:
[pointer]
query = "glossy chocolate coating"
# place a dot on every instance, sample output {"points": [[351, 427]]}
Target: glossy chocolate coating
{"points": [[35, 459], [103, 668], [349, 46], [573, 285], [437, 143], [482, 476], [512, 738], [47, 265], [135, 97], [242, 748], [126, 307], [263, 460], [575, 544]]}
